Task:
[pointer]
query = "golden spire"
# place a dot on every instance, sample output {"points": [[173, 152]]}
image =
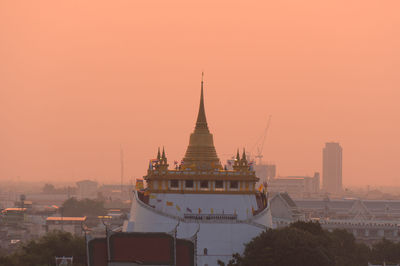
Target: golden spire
{"points": [[201, 154], [244, 162], [163, 157], [237, 162], [201, 123], [163, 165], [244, 155]]}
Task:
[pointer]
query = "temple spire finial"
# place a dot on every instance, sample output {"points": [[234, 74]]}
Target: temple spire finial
{"points": [[201, 122]]}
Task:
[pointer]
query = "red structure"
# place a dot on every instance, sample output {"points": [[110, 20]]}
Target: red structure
{"points": [[98, 252], [140, 248]]}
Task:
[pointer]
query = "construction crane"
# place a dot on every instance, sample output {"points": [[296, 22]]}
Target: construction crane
{"points": [[261, 141]]}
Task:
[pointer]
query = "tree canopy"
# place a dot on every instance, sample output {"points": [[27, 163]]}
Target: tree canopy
{"points": [[386, 251], [42, 252], [85, 207], [303, 243]]}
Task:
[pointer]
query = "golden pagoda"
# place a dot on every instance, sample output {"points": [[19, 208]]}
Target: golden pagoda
{"points": [[201, 153], [200, 170], [200, 199]]}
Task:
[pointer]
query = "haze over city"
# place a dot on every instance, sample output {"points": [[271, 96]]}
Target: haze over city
{"points": [[79, 80]]}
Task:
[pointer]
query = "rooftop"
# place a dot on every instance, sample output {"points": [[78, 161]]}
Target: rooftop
{"points": [[80, 219], [14, 209]]}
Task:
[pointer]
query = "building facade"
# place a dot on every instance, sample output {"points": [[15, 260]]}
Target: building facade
{"points": [[284, 210], [332, 168], [368, 220], [73, 225], [87, 189], [296, 186], [265, 172]]}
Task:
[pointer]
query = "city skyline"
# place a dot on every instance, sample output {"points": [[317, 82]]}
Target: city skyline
{"points": [[72, 93]]}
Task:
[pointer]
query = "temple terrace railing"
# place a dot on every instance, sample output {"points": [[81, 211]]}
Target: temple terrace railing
{"points": [[196, 217], [210, 217]]}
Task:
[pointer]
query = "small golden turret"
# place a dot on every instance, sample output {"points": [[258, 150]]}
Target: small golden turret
{"points": [[163, 165], [158, 155], [163, 158], [243, 161], [236, 164]]}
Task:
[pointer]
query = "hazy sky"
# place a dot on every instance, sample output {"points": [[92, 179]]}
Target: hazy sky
{"points": [[80, 78]]}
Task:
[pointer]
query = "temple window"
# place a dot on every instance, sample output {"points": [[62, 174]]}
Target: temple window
{"points": [[205, 251], [234, 184], [219, 184], [174, 183], [203, 184], [188, 183]]}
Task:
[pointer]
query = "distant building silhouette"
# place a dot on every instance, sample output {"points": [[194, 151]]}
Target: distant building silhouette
{"points": [[295, 186], [265, 171], [87, 189], [332, 168]]}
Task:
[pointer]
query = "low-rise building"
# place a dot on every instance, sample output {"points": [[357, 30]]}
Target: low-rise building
{"points": [[284, 210], [296, 186], [368, 220], [73, 225], [354, 209], [13, 215]]}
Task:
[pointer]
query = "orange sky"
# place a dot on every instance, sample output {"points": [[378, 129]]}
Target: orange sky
{"points": [[80, 78]]}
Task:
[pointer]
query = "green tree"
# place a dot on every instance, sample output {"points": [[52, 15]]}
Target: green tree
{"points": [[346, 251], [311, 227], [300, 244], [42, 252], [385, 251]]}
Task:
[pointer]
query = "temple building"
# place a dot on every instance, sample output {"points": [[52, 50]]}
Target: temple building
{"points": [[200, 200]]}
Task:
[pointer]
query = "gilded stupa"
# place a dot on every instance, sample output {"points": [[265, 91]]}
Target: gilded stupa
{"points": [[201, 153], [200, 199]]}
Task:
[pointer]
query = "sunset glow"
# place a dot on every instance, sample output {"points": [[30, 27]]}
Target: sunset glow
{"points": [[80, 79]]}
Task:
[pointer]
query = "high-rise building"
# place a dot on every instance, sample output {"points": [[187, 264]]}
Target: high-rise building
{"points": [[332, 168]]}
